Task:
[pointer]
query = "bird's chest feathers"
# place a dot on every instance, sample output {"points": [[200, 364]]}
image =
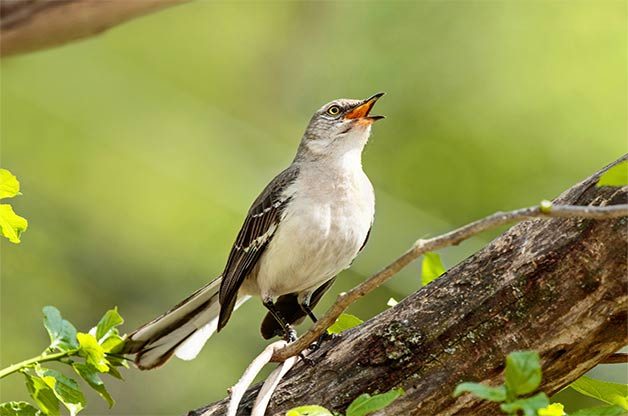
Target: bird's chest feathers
{"points": [[336, 206], [321, 231]]}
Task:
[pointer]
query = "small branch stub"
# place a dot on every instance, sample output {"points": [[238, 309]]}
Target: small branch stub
{"points": [[546, 206]]}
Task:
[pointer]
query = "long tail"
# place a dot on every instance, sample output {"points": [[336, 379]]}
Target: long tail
{"points": [[182, 331]]}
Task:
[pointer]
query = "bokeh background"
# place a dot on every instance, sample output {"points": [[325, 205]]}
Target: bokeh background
{"points": [[140, 150]]}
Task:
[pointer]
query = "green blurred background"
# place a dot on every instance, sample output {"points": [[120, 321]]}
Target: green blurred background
{"points": [[140, 150]]}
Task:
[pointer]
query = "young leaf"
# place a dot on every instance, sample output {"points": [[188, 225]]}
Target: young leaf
{"points": [[18, 409], [90, 375], [529, 406], [312, 410], [62, 333], [112, 343], [344, 322], [494, 394], [611, 393], [114, 371], [615, 176], [366, 404], [9, 186], [554, 409], [110, 320], [92, 351], [523, 372], [601, 411], [431, 268], [66, 389], [11, 224], [42, 394]]}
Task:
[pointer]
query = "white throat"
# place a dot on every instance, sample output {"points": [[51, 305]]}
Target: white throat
{"points": [[342, 152]]}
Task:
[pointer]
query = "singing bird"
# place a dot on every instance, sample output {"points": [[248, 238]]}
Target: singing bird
{"points": [[306, 226]]}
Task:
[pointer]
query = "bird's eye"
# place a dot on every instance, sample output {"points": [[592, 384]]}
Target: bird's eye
{"points": [[334, 110]]}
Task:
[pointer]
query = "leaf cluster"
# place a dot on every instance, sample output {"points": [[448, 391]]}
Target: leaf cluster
{"points": [[88, 355], [363, 405], [523, 376], [11, 224]]}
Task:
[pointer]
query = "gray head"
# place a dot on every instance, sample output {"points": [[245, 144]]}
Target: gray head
{"points": [[338, 127]]}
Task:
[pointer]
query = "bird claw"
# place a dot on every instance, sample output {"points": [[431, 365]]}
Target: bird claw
{"points": [[306, 360], [317, 344], [290, 335]]}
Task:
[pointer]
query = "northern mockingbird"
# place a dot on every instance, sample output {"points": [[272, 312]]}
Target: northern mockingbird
{"points": [[306, 226]]}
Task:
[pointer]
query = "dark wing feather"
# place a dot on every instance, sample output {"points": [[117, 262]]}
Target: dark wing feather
{"points": [[256, 232]]}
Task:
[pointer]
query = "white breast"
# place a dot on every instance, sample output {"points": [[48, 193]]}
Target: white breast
{"points": [[321, 232]]}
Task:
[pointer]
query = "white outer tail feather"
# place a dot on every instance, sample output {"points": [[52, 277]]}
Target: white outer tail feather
{"points": [[190, 348], [189, 333]]}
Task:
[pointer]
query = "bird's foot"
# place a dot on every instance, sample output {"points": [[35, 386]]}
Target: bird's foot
{"points": [[324, 337], [290, 335], [306, 360]]}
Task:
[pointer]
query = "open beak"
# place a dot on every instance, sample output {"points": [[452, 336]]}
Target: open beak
{"points": [[362, 110]]}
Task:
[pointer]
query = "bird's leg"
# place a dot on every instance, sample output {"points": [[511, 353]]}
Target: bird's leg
{"points": [[305, 305], [290, 334]]}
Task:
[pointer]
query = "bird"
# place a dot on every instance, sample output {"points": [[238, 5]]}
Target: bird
{"points": [[307, 225]]}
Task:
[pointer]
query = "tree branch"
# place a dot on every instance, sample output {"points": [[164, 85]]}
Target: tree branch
{"points": [[451, 238], [617, 358], [29, 25], [555, 285]]}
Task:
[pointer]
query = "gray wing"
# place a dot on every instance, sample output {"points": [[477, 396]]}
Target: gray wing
{"points": [[256, 232]]}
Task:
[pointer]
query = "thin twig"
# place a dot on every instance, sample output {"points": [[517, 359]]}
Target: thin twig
{"points": [[237, 391], [270, 385], [617, 358], [420, 247]]}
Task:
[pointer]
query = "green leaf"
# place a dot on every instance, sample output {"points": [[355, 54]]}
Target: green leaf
{"points": [[611, 393], [109, 321], [529, 406], [113, 343], [43, 395], [91, 377], [9, 186], [62, 333], [554, 409], [11, 224], [312, 410], [601, 411], [92, 351], [431, 268], [365, 403], [494, 394], [65, 388], [523, 372], [18, 409], [114, 371], [344, 322], [615, 176]]}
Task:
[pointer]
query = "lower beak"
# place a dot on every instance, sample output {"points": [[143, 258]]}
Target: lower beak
{"points": [[361, 111]]}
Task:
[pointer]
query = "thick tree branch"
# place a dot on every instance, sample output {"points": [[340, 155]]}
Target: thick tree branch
{"points": [[451, 238], [29, 25], [617, 358], [555, 285]]}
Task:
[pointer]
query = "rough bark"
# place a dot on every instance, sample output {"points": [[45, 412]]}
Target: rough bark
{"points": [[28, 25], [557, 286]]}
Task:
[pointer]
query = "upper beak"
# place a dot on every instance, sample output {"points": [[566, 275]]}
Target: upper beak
{"points": [[362, 110]]}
